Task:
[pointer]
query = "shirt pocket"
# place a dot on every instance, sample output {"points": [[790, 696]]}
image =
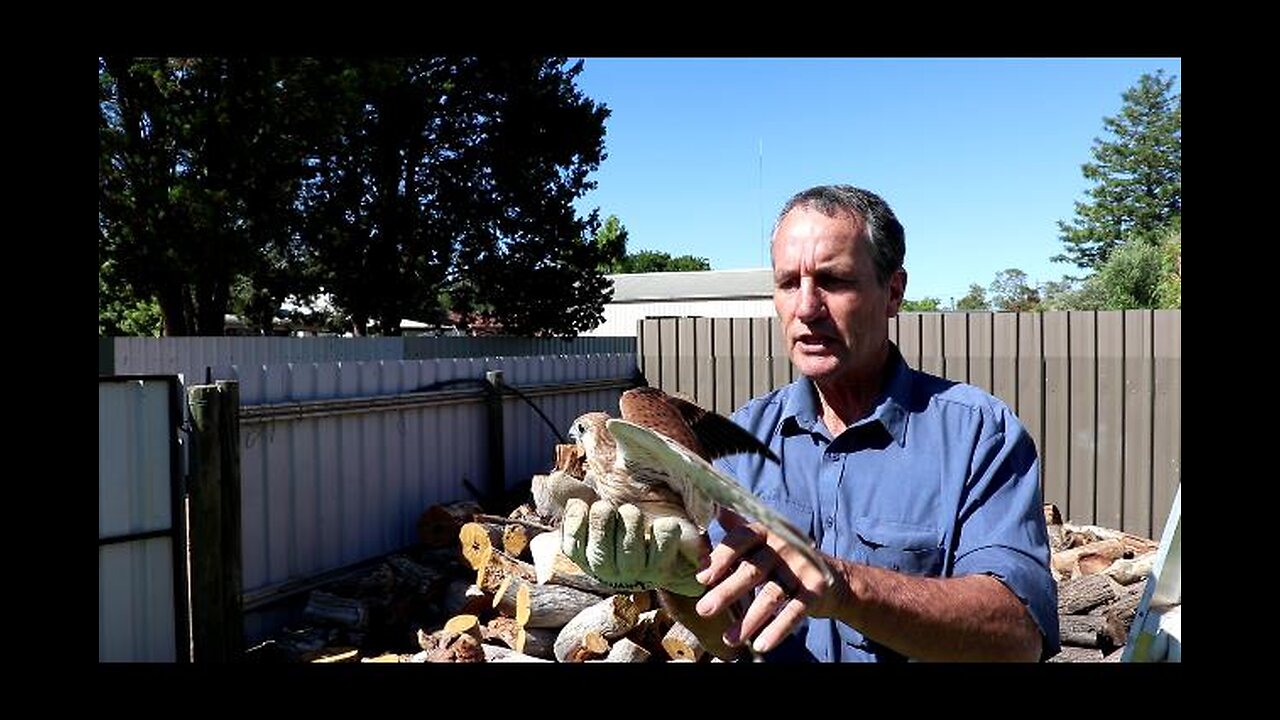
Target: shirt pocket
{"points": [[898, 546]]}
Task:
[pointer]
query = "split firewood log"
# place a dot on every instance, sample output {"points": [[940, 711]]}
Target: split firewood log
{"points": [[1128, 571], [553, 567], [497, 565], [458, 641], [681, 644], [500, 629], [625, 651], [1066, 562], [439, 524], [550, 606], [651, 626], [476, 538], [582, 636], [571, 459], [1085, 534]]}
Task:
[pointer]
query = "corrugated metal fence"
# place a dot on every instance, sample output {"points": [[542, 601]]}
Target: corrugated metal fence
{"points": [[141, 596], [1101, 392]]}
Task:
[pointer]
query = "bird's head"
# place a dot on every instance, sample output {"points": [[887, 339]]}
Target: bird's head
{"points": [[588, 429]]}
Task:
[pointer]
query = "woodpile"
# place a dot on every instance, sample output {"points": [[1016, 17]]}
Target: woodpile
{"points": [[483, 588], [500, 590], [1101, 575]]}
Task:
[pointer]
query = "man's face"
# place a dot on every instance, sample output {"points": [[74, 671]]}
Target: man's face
{"points": [[833, 310]]}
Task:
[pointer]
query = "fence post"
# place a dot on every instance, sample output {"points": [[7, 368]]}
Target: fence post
{"points": [[213, 540], [204, 539], [495, 493], [232, 555]]}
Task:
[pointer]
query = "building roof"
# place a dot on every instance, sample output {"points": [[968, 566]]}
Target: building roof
{"points": [[756, 283]]}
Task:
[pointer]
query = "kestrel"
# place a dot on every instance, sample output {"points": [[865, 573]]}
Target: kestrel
{"points": [[657, 457]]}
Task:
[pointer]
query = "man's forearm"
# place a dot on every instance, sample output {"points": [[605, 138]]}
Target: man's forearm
{"points": [[971, 618]]}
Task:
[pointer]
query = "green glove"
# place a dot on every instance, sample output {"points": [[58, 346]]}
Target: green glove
{"points": [[615, 546]]}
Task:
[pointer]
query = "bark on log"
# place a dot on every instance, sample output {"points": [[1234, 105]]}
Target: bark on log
{"points": [[552, 567], [551, 606], [681, 644], [420, 578], [1071, 654], [538, 642], [651, 627], [328, 609], [1081, 630], [626, 651], [500, 629], [462, 597], [456, 648], [1118, 618], [1137, 545], [1079, 595], [608, 619], [439, 524], [497, 653], [475, 538]]}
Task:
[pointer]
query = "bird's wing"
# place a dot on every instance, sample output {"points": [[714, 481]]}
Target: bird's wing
{"points": [[691, 474], [718, 434]]}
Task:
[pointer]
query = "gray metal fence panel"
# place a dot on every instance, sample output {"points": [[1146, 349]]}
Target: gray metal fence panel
{"points": [[140, 606]]}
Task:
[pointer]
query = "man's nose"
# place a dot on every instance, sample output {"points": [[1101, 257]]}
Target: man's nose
{"points": [[809, 303]]}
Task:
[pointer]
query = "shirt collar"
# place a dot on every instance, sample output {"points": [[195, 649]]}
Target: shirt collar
{"points": [[800, 408]]}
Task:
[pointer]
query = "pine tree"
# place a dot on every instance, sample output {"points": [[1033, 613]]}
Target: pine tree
{"points": [[1138, 176]]}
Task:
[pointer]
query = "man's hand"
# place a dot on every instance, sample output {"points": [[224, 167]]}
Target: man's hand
{"points": [[782, 586], [612, 544]]}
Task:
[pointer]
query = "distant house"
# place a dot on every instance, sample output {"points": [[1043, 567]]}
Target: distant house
{"points": [[708, 293]]}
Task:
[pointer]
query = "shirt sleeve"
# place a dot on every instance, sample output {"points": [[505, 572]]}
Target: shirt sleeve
{"points": [[1002, 528]]}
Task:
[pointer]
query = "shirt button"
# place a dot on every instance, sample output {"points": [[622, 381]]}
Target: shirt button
{"points": [[831, 522], [831, 456]]}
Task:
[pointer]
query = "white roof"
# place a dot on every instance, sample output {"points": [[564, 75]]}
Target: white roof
{"points": [[697, 285]]}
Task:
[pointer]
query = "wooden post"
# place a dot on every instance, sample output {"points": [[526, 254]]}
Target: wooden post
{"points": [[204, 523], [232, 555], [497, 489]]}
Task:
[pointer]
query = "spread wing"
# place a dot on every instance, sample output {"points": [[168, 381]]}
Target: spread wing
{"points": [[694, 477]]}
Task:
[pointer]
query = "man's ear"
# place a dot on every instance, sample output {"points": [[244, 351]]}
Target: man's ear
{"points": [[897, 292]]}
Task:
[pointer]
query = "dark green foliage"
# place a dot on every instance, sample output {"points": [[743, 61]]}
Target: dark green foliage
{"points": [[929, 304], [1137, 174], [398, 188]]}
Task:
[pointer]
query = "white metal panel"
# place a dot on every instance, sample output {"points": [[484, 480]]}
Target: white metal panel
{"points": [[135, 602], [136, 615], [621, 318]]}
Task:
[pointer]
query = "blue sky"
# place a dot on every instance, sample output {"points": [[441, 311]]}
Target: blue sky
{"points": [[978, 157]]}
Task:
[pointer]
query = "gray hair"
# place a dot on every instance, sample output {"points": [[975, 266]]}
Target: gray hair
{"points": [[884, 234]]}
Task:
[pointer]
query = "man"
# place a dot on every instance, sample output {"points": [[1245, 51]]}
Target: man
{"points": [[922, 494]]}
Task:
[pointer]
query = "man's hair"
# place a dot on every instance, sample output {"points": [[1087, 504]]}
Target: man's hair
{"points": [[884, 234]]}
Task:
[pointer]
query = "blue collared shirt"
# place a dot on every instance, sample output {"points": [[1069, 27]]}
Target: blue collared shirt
{"points": [[941, 480]]}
